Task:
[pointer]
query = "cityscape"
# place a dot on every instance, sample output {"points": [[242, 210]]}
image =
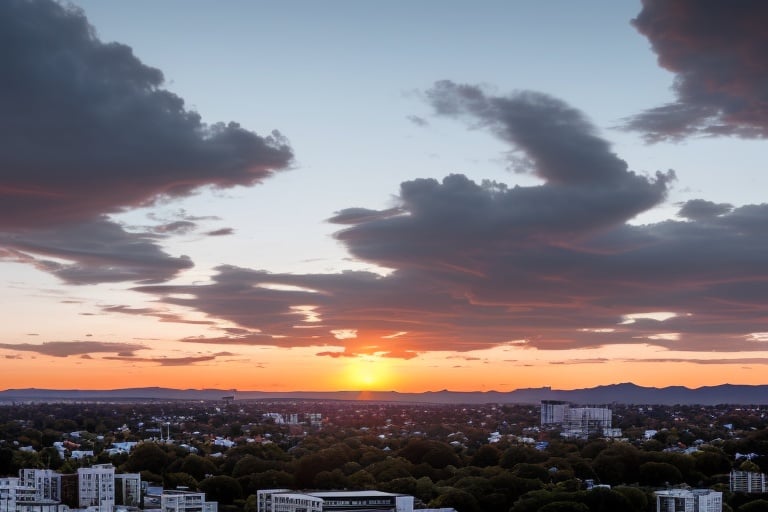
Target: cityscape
{"points": [[383, 256], [312, 455]]}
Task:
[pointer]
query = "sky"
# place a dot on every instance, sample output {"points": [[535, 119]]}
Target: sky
{"points": [[407, 196]]}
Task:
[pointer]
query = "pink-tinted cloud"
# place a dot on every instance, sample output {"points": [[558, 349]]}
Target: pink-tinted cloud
{"points": [[170, 361], [717, 52], [73, 348]]}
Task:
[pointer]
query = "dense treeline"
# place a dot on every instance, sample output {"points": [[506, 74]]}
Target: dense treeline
{"points": [[441, 456]]}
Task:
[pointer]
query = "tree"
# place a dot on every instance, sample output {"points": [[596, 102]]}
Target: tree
{"points": [[197, 466], [459, 499], [222, 488], [636, 498], [755, 506], [564, 506], [659, 474], [176, 480], [147, 457], [486, 455]]}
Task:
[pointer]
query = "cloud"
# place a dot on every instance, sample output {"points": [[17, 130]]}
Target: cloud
{"points": [[221, 232], [700, 209], [418, 121], [717, 52], [553, 266], [94, 251], [73, 348], [88, 130], [163, 316], [170, 361]]}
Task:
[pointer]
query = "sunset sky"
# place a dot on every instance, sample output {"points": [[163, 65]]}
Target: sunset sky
{"points": [[391, 195]]}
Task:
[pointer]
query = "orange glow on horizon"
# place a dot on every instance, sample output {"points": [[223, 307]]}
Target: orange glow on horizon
{"points": [[272, 369]]}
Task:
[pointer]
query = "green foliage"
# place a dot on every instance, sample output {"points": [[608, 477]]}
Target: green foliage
{"points": [[657, 474], [176, 480], [198, 467], [564, 506], [486, 455], [759, 505], [147, 457], [637, 499], [617, 464], [222, 488], [531, 471], [459, 499]]}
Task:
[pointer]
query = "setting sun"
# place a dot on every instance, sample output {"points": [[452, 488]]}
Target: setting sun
{"points": [[368, 374]]}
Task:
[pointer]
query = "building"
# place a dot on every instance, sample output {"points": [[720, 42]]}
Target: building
{"points": [[46, 482], [186, 501], [747, 481], [96, 487], [553, 412], [578, 422], [128, 489], [283, 500], [683, 500]]}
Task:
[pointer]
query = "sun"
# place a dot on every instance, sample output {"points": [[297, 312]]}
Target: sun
{"points": [[368, 373]]}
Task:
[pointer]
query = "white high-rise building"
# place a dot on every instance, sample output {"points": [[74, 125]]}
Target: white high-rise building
{"points": [[96, 487], [683, 500], [46, 482], [577, 421], [747, 481], [553, 412]]}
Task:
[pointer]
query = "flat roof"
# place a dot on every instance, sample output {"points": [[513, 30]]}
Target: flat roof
{"points": [[351, 494]]}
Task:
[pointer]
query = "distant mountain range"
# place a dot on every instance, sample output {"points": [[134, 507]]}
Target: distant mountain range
{"points": [[626, 393]]}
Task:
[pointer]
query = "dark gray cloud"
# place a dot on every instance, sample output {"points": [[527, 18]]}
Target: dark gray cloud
{"points": [[700, 209], [94, 251], [89, 130], [717, 52], [176, 227], [477, 265], [221, 232], [73, 348]]}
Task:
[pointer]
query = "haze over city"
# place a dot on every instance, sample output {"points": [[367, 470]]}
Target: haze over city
{"points": [[405, 196]]}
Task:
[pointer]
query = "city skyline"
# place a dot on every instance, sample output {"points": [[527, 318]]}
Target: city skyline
{"points": [[383, 196]]}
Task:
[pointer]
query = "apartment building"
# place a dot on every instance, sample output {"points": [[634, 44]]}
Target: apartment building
{"points": [[96, 487], [284, 500], [186, 501], [747, 481], [683, 500]]}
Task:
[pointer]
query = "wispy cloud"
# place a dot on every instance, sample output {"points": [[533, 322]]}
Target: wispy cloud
{"points": [[74, 348], [170, 361]]}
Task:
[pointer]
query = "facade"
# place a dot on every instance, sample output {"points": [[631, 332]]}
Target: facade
{"points": [[553, 412], [186, 501], [8, 493], [46, 482], [282, 500], [747, 481], [683, 500], [577, 421], [128, 489], [96, 487]]}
